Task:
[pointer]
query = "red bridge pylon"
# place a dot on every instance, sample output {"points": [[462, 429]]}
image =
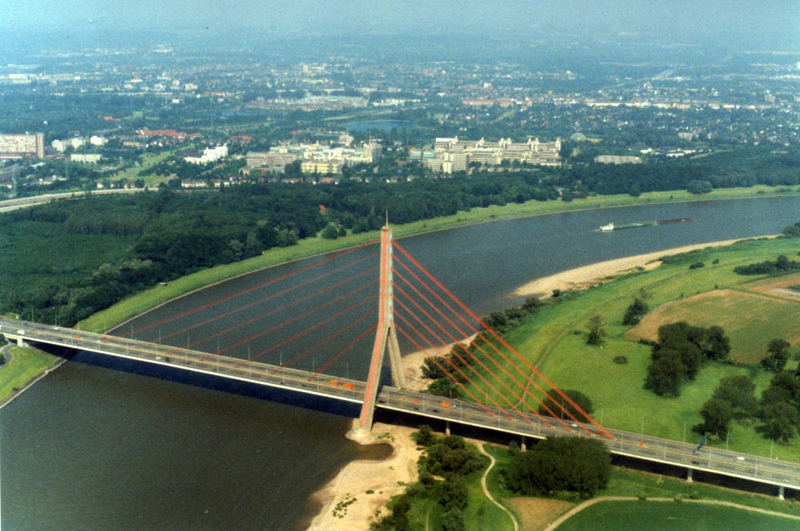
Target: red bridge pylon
{"points": [[385, 336]]}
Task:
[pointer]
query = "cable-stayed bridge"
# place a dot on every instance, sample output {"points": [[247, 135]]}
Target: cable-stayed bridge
{"points": [[505, 393]]}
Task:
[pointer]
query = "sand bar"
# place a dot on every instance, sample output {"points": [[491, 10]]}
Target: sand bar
{"points": [[382, 479], [590, 275]]}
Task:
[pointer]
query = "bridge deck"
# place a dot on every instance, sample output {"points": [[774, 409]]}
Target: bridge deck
{"points": [[649, 448]]}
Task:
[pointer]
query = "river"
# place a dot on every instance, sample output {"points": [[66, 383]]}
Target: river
{"points": [[95, 447]]}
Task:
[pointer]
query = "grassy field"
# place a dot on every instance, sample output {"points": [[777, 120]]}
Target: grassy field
{"points": [[25, 365], [311, 246], [479, 515], [661, 516], [148, 160], [555, 340], [625, 482]]}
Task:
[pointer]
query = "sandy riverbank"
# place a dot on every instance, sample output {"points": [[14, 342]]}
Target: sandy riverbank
{"points": [[358, 495], [583, 277]]}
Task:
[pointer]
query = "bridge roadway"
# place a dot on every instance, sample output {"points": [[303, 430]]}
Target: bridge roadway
{"points": [[782, 474]]}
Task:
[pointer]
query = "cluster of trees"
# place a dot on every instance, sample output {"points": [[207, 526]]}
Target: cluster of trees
{"points": [[680, 351], [780, 266], [464, 357], [734, 397], [443, 467], [559, 467], [778, 408]]}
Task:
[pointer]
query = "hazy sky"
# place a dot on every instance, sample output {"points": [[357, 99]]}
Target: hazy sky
{"points": [[767, 21]]}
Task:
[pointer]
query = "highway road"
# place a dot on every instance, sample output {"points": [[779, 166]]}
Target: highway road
{"points": [[640, 446]]}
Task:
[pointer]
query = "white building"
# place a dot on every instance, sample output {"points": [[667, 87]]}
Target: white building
{"points": [[87, 158], [209, 155]]}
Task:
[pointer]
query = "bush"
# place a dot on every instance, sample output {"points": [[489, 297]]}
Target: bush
{"points": [[697, 265], [622, 360], [635, 312]]}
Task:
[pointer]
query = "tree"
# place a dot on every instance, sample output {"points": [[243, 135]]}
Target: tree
{"points": [[446, 387], [780, 421], [739, 391], [717, 414], [431, 367], [596, 330], [665, 374], [777, 355], [560, 406], [330, 232], [698, 187], [424, 436]]}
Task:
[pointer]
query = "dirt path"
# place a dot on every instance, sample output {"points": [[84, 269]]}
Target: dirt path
{"points": [[486, 489], [588, 503]]}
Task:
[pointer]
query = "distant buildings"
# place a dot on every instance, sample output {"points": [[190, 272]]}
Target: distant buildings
{"points": [[87, 158], [314, 158], [21, 146], [618, 159], [451, 154]]}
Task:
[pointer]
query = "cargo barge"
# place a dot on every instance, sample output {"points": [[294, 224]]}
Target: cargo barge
{"points": [[611, 227]]}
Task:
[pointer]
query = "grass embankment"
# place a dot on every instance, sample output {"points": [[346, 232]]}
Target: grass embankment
{"points": [[555, 340], [138, 303], [25, 365], [624, 482]]}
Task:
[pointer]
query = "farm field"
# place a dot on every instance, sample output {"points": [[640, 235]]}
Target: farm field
{"points": [[751, 318]]}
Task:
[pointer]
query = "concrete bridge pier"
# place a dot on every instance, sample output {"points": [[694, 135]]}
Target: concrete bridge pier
{"points": [[447, 428], [523, 445], [689, 475], [780, 493]]}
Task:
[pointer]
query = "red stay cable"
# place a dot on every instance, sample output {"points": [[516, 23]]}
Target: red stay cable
{"points": [[284, 307], [345, 349], [461, 385], [315, 326], [508, 346], [456, 367], [337, 333], [248, 290], [297, 318], [264, 299], [494, 347], [482, 377]]}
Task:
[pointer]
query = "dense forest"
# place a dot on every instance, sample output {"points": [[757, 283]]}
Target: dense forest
{"points": [[108, 247]]}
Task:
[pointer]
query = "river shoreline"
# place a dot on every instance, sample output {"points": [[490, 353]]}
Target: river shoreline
{"points": [[357, 495], [590, 275]]}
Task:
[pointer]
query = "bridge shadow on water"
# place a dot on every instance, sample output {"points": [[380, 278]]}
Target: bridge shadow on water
{"points": [[207, 381]]}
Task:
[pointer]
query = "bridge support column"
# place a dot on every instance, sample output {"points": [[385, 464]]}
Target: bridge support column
{"points": [[780, 493], [385, 338], [20, 342], [689, 475], [447, 428], [523, 446]]}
